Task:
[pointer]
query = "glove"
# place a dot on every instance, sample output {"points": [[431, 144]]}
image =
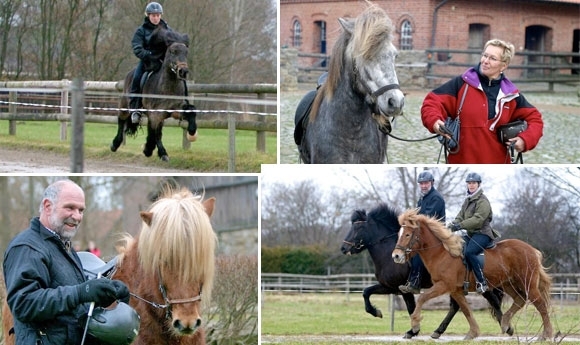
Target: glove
{"points": [[121, 291], [454, 227], [101, 291]]}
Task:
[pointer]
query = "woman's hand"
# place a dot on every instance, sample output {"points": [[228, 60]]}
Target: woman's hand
{"points": [[519, 144]]}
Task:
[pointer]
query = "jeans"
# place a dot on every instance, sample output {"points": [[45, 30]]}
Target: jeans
{"points": [[416, 267], [473, 248], [136, 86]]}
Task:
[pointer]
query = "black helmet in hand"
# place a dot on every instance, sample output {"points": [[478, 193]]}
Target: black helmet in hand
{"points": [[117, 326]]}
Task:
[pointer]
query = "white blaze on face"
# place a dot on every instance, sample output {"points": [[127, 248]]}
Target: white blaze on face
{"points": [[401, 231]]}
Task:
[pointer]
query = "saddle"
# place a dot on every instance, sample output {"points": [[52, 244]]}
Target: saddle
{"points": [[302, 115], [94, 266]]}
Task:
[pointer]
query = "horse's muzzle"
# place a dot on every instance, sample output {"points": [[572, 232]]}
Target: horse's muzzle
{"points": [[399, 256]]}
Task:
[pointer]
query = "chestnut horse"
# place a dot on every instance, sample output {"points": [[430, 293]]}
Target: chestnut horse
{"points": [[512, 265], [168, 266]]}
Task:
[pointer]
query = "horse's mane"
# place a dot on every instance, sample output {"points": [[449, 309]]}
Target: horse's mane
{"points": [[370, 31], [385, 216], [180, 239], [452, 243], [161, 37]]}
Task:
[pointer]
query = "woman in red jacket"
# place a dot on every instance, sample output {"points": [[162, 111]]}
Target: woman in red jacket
{"points": [[491, 100]]}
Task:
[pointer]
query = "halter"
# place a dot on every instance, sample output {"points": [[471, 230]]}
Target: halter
{"points": [[168, 302], [371, 99]]}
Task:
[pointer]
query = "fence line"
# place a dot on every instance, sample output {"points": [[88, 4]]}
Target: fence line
{"points": [[260, 121], [564, 285]]}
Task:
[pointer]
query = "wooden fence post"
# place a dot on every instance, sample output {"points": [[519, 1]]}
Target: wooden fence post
{"points": [[78, 124], [63, 110], [261, 135], [12, 98], [232, 143]]}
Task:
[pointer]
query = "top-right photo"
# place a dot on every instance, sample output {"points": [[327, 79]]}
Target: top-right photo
{"points": [[429, 82]]}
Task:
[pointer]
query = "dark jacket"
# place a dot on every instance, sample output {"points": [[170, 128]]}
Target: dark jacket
{"points": [[147, 53], [432, 205], [40, 276], [476, 215], [478, 142]]}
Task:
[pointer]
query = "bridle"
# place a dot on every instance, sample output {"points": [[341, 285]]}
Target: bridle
{"points": [[168, 302], [371, 98], [414, 239], [361, 244]]}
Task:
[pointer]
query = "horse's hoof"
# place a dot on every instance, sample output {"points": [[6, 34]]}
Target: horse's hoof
{"points": [[469, 337], [147, 154], [435, 335], [164, 158], [113, 148], [510, 331], [379, 314], [410, 334]]}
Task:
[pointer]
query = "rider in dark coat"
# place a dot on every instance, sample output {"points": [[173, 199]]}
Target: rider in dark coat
{"points": [[149, 58], [430, 204]]}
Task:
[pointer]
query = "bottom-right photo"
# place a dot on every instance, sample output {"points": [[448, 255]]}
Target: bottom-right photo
{"points": [[382, 254]]}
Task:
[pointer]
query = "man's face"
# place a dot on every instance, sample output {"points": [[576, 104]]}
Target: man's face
{"points": [[425, 186], [66, 214], [154, 18]]}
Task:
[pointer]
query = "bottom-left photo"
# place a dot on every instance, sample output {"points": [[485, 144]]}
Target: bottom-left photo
{"points": [[129, 259]]}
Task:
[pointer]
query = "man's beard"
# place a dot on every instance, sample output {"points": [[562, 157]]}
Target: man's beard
{"points": [[58, 225]]}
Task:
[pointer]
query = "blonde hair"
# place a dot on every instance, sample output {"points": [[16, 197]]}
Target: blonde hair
{"points": [[508, 49]]}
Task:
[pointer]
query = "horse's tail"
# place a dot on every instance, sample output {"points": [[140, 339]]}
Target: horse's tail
{"points": [[545, 281]]}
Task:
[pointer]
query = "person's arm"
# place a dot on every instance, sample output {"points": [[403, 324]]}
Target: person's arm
{"points": [[138, 44], [482, 212], [525, 111], [440, 103]]}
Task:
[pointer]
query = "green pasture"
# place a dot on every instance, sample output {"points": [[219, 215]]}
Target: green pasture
{"points": [[312, 315], [208, 154]]}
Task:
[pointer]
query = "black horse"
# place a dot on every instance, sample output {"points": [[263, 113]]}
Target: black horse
{"points": [[169, 81], [377, 232]]}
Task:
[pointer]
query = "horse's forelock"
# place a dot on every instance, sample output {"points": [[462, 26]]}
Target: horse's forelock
{"points": [[372, 30], [180, 241]]}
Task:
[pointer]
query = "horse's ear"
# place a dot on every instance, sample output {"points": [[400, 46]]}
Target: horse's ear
{"points": [[185, 40], [208, 205], [347, 25], [147, 217]]}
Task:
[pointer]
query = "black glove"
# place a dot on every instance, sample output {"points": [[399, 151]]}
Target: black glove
{"points": [[122, 291], [101, 291], [454, 227]]}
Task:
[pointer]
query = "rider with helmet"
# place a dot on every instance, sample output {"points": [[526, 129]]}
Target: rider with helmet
{"points": [[475, 216], [431, 204], [143, 51]]}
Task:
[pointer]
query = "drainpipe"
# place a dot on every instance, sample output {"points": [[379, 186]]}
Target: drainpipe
{"points": [[434, 28]]}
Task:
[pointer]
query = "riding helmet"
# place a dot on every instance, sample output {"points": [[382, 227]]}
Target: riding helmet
{"points": [[473, 177], [425, 176], [117, 326], [153, 7]]}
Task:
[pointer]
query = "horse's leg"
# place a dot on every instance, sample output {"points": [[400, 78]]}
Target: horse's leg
{"points": [[409, 299], [543, 308], [519, 300], [161, 152], [473, 326], [453, 309], [494, 298], [150, 141], [377, 289], [436, 290], [119, 137]]}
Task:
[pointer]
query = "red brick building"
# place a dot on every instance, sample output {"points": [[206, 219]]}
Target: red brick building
{"points": [[311, 26]]}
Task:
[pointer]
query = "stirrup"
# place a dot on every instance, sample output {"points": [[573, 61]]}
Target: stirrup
{"points": [[481, 287]]}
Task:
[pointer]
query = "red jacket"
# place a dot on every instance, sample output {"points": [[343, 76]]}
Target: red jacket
{"points": [[478, 143]]}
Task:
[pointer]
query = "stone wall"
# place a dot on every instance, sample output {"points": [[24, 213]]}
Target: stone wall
{"points": [[288, 69], [242, 242]]}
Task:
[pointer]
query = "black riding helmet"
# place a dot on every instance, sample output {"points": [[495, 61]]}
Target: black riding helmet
{"points": [[117, 326], [473, 177], [153, 7], [425, 176]]}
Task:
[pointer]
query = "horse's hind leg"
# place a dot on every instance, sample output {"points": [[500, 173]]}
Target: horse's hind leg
{"points": [[494, 298], [519, 301], [453, 309], [542, 305]]}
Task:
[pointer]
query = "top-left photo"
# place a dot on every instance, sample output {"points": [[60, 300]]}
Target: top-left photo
{"points": [[138, 86]]}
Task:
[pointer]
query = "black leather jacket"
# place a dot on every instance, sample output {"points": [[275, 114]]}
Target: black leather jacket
{"points": [[40, 276]]}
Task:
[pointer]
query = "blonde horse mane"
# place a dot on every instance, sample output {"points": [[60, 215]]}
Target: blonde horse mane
{"points": [[371, 30], [451, 242], [179, 240]]}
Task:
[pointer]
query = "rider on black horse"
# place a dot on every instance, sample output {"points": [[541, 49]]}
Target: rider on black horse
{"points": [[149, 58]]}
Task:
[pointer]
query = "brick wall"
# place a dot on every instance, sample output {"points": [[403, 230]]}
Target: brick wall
{"points": [[507, 20]]}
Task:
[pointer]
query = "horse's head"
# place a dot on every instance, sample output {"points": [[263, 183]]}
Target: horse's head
{"points": [[176, 59], [408, 236], [370, 54], [176, 248], [356, 239]]}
